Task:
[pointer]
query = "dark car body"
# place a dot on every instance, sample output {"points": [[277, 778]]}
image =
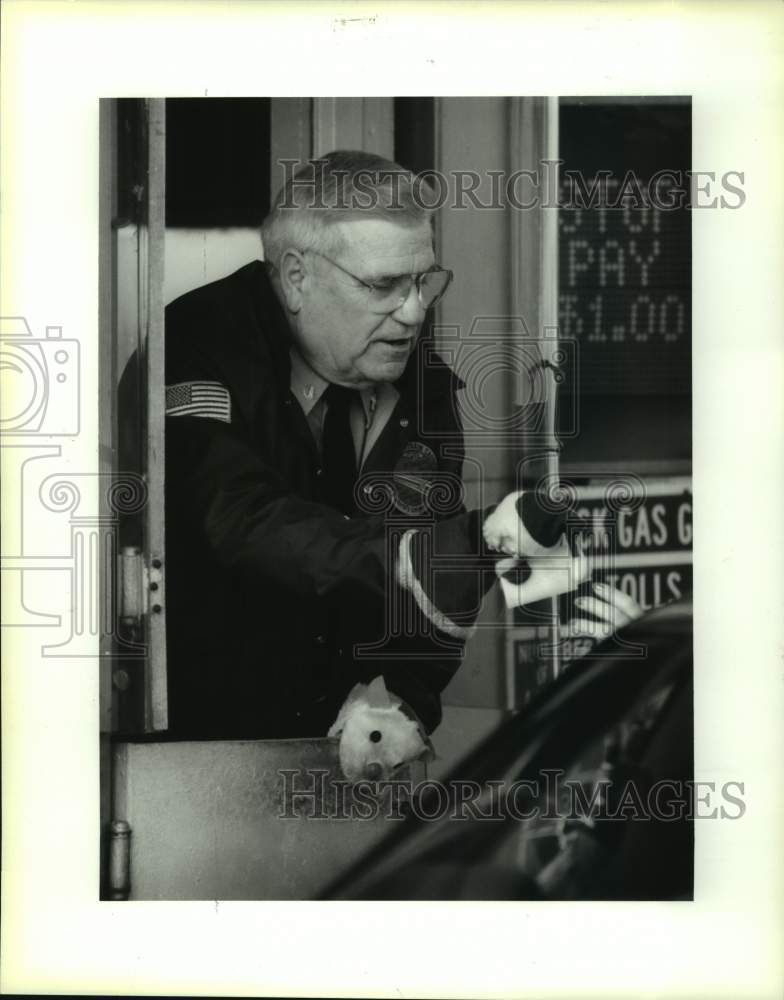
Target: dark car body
{"points": [[618, 725]]}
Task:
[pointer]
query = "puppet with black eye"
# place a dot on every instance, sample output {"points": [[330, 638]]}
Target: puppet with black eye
{"points": [[378, 734]]}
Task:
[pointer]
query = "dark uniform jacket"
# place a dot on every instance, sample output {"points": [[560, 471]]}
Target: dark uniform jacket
{"points": [[276, 603]]}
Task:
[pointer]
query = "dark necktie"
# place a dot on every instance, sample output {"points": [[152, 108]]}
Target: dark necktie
{"points": [[337, 449]]}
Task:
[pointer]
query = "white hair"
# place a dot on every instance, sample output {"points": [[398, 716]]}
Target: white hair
{"points": [[338, 187]]}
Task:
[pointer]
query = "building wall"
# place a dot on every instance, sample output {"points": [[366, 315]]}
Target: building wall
{"points": [[195, 257]]}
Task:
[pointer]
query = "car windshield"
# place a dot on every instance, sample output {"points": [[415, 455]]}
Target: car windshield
{"points": [[572, 798]]}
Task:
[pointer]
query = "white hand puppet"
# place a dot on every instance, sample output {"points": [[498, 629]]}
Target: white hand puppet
{"points": [[378, 733], [527, 533]]}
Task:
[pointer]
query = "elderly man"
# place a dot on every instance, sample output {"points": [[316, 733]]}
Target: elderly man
{"points": [[300, 540]]}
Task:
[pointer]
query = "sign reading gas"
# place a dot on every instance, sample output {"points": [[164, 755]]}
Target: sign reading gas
{"points": [[658, 523]]}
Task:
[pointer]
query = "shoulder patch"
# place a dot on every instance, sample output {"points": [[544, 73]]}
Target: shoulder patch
{"points": [[198, 399]]}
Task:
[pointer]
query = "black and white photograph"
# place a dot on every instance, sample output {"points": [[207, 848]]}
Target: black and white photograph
{"points": [[390, 425], [405, 604]]}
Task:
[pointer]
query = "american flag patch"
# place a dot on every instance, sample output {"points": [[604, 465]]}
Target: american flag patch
{"points": [[198, 399]]}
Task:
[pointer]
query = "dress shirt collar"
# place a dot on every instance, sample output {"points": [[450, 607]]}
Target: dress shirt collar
{"points": [[308, 387]]}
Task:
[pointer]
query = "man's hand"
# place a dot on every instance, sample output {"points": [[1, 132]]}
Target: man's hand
{"points": [[613, 607]]}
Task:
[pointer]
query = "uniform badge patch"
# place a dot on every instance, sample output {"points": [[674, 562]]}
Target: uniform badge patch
{"points": [[198, 399], [413, 474]]}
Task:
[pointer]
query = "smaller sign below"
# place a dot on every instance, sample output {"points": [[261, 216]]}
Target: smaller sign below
{"points": [[649, 586]]}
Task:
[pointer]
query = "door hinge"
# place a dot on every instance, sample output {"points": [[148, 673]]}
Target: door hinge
{"points": [[119, 860]]}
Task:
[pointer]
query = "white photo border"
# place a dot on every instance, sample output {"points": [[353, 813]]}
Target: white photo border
{"points": [[59, 58]]}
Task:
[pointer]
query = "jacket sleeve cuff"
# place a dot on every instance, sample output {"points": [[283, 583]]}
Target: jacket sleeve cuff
{"points": [[408, 579], [448, 569]]}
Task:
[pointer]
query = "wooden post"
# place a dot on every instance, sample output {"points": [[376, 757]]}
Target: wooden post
{"points": [[533, 253], [151, 296]]}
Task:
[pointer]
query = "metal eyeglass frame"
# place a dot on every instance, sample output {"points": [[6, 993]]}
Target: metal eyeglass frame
{"points": [[416, 280]]}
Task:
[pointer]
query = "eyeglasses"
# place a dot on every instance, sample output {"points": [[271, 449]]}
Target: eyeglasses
{"points": [[388, 294]]}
